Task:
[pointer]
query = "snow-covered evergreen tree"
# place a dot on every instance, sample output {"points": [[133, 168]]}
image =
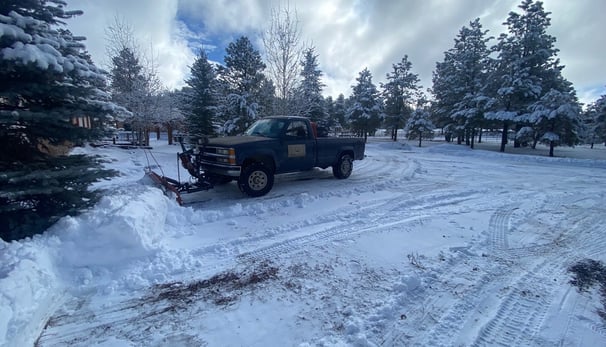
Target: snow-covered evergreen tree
{"points": [[134, 81], [340, 111], [130, 89], [460, 96], [419, 125], [446, 95], [244, 78], [471, 56], [309, 98], [267, 98], [595, 121], [366, 112], [49, 87], [555, 119], [526, 66], [400, 93], [200, 104]]}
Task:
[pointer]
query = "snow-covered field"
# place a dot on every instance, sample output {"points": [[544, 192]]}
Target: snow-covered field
{"points": [[432, 246]]}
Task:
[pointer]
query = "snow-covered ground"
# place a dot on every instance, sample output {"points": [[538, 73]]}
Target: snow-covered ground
{"points": [[432, 246]]}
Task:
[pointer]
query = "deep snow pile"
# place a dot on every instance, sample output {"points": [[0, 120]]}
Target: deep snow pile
{"points": [[439, 245], [99, 244]]}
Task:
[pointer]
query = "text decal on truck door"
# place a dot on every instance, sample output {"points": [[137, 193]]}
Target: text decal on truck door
{"points": [[295, 151]]}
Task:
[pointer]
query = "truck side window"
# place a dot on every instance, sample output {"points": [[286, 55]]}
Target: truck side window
{"points": [[297, 129]]}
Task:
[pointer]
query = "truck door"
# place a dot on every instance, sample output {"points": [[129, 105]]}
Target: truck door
{"points": [[298, 147]]}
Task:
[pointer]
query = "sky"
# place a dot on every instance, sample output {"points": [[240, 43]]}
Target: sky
{"points": [[348, 35]]}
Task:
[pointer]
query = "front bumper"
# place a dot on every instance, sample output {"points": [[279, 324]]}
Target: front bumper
{"points": [[221, 169]]}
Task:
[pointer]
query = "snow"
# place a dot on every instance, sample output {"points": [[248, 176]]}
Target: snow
{"points": [[439, 245]]}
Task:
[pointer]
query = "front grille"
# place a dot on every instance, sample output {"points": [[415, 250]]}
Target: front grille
{"points": [[219, 155]]}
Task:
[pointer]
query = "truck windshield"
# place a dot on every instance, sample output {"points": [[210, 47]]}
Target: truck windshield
{"points": [[268, 127]]}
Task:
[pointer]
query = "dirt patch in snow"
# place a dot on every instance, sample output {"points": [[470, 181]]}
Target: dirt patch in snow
{"points": [[221, 289], [586, 274]]}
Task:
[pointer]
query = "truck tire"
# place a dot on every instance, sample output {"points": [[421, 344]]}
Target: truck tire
{"points": [[256, 180], [344, 166]]}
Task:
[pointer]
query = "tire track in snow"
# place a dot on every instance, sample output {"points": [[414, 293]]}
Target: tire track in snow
{"points": [[130, 319], [498, 227], [523, 310], [520, 313], [451, 319], [386, 214]]}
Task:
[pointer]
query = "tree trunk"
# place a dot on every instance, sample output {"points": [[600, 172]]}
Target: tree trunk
{"points": [[157, 133], [516, 143], [420, 137], [473, 135], [395, 134], [480, 135], [504, 136], [169, 130], [467, 136], [551, 146]]}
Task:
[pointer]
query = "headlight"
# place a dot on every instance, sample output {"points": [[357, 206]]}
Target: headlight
{"points": [[229, 153]]}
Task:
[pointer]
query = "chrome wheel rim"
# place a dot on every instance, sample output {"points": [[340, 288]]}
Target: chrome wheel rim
{"points": [[346, 166], [257, 180]]}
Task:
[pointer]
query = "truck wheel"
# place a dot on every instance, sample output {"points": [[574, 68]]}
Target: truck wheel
{"points": [[256, 180], [343, 167]]}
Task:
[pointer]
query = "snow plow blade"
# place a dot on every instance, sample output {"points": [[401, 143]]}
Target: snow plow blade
{"points": [[166, 184], [199, 180]]}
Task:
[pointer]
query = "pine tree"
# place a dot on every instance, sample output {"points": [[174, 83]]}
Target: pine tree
{"points": [[419, 125], [134, 81], [366, 113], [243, 76], [48, 85], [332, 117], [200, 105], [555, 118], [471, 57], [309, 97], [400, 93], [525, 68], [132, 88], [340, 111], [595, 121], [459, 84], [446, 95], [267, 98]]}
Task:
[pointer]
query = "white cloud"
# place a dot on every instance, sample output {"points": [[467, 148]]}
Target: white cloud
{"points": [[158, 33], [349, 35]]}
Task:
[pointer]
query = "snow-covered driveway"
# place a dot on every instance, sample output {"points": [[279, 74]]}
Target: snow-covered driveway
{"points": [[437, 246]]}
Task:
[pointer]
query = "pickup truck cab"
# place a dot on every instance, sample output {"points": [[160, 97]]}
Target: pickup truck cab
{"points": [[275, 145]]}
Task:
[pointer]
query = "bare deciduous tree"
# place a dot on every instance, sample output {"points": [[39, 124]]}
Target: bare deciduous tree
{"points": [[283, 51]]}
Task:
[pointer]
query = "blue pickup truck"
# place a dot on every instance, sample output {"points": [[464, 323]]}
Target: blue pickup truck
{"points": [[271, 146]]}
